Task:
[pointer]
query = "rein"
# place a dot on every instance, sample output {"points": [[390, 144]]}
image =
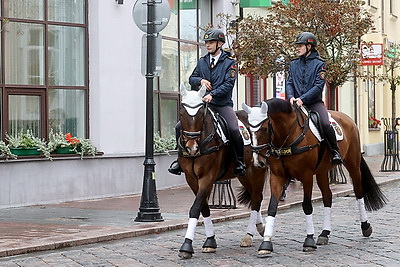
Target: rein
{"points": [[293, 149], [203, 149]]}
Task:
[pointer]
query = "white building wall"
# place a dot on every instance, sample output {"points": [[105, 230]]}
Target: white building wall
{"points": [[117, 87]]}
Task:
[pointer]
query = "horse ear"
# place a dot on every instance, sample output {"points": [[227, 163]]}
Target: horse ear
{"points": [[202, 91], [183, 89], [264, 108], [246, 108]]}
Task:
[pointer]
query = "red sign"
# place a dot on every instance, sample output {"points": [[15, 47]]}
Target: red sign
{"points": [[371, 55]]}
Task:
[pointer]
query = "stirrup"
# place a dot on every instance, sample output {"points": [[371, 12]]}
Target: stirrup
{"points": [[240, 169], [175, 168], [336, 159]]}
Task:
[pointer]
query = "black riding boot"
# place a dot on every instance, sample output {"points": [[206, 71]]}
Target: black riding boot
{"points": [[175, 168], [240, 169], [332, 142]]}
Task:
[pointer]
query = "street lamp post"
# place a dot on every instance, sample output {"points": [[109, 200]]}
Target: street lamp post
{"points": [[149, 210]]}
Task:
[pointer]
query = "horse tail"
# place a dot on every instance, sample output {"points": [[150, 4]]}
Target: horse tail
{"points": [[244, 197], [373, 196]]}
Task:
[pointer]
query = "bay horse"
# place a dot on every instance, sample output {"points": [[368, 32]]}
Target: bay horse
{"points": [[282, 133], [205, 158]]}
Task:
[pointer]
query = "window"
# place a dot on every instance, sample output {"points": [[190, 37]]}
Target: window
{"points": [[181, 48], [44, 68]]}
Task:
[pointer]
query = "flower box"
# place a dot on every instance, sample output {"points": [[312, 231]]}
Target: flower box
{"points": [[65, 150], [32, 151]]}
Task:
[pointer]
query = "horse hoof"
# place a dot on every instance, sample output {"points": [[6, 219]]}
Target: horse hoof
{"points": [[247, 241], [309, 244], [260, 228], [322, 240], [309, 249], [210, 245], [185, 255], [208, 250], [368, 232], [264, 253]]}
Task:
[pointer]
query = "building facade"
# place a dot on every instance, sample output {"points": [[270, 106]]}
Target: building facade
{"points": [[78, 66]]}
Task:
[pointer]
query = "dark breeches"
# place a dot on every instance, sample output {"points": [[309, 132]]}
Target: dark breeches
{"points": [[323, 114]]}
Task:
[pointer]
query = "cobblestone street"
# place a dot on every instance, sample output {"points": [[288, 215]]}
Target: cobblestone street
{"points": [[347, 245]]}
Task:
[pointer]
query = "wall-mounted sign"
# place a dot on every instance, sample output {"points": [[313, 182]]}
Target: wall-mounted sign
{"points": [[371, 55]]}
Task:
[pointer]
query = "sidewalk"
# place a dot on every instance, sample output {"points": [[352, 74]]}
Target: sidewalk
{"points": [[46, 227]]}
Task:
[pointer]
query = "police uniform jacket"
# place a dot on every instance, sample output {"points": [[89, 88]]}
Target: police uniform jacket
{"points": [[222, 77], [306, 78]]}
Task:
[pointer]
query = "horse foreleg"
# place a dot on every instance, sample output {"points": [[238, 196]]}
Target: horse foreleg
{"points": [[266, 247], [186, 251], [309, 243], [210, 245], [366, 227], [323, 184]]}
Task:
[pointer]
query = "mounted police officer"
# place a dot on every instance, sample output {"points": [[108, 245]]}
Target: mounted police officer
{"points": [[217, 72], [305, 85]]}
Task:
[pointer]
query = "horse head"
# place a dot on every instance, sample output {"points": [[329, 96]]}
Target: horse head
{"points": [[258, 121], [192, 119]]}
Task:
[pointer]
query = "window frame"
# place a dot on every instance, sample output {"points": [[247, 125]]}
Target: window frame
{"points": [[42, 90]]}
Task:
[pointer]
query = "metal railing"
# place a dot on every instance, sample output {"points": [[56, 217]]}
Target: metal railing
{"points": [[222, 196], [391, 160]]}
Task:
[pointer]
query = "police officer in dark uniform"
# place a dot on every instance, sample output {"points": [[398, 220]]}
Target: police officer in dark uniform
{"points": [[217, 72], [305, 85]]}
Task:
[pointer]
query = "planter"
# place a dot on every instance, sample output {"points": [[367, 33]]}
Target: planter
{"points": [[65, 150], [32, 151]]}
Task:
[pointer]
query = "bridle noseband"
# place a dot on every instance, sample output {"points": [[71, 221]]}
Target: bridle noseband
{"points": [[203, 149]]}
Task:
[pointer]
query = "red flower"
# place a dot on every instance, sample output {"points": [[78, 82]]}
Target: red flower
{"points": [[71, 140]]}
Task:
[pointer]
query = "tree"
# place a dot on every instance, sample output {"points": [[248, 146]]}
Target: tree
{"points": [[391, 64], [263, 45]]}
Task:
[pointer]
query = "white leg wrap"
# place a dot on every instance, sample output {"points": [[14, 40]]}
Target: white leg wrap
{"points": [[361, 209], [191, 228], [327, 219], [309, 225], [269, 228], [251, 227], [259, 217], [209, 226]]}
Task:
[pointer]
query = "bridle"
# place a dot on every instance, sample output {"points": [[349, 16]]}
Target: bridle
{"points": [[283, 150], [292, 148], [190, 135], [258, 148]]}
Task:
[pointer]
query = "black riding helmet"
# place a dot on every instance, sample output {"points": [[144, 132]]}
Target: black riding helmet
{"points": [[306, 38], [214, 35]]}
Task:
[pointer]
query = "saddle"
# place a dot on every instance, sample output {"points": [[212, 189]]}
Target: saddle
{"points": [[315, 125], [222, 129]]}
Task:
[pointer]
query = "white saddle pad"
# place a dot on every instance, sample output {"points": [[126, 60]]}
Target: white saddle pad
{"points": [[334, 124]]}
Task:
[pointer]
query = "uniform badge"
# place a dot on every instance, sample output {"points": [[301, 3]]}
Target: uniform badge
{"points": [[233, 71], [322, 74]]}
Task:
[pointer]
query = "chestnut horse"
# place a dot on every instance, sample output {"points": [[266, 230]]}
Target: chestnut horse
{"points": [[206, 158], [282, 133]]}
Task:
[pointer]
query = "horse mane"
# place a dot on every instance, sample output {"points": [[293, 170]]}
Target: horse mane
{"points": [[277, 105]]}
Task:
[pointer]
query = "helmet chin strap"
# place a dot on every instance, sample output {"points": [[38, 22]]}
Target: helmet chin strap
{"points": [[216, 49]]}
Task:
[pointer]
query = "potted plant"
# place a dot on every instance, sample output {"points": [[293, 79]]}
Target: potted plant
{"points": [[61, 143], [373, 122], [27, 144]]}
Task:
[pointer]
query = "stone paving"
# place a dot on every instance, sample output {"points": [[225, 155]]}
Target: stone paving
{"points": [[49, 227], [347, 245]]}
